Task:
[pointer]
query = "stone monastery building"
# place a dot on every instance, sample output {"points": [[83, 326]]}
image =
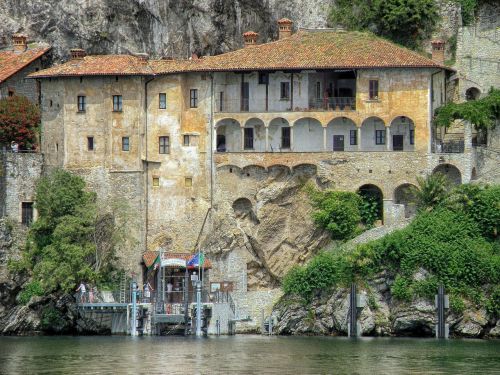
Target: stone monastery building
{"points": [[179, 138]]}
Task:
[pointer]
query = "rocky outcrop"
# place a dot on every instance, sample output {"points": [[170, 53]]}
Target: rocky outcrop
{"points": [[383, 315]]}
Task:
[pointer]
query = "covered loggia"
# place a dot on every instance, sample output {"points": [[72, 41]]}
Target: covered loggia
{"points": [[307, 135], [402, 133], [279, 135], [405, 194], [450, 171], [373, 134], [228, 135], [341, 135], [254, 135], [372, 193]]}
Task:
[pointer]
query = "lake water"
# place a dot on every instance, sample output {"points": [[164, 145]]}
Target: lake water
{"points": [[243, 354]]}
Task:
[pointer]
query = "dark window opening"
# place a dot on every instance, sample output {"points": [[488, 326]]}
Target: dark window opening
{"points": [[353, 137], [285, 90], [248, 139], [373, 89], [380, 137], [163, 101], [186, 140], [263, 78], [11, 93], [285, 137], [90, 143], [164, 143], [81, 103], [221, 143], [412, 136], [318, 90], [26, 213], [125, 144], [193, 98], [245, 96], [117, 103]]}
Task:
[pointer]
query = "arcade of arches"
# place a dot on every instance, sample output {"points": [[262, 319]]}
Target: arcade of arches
{"points": [[310, 135]]}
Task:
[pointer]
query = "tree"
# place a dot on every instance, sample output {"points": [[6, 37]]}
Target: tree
{"points": [[407, 22], [73, 239], [19, 121], [431, 191]]}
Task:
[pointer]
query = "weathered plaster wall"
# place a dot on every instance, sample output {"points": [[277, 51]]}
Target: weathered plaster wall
{"points": [[20, 85]]}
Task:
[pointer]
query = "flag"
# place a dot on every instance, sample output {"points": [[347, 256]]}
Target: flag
{"points": [[196, 260]]}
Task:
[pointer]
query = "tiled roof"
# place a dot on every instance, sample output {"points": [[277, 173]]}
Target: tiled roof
{"points": [[306, 49], [98, 65], [149, 258], [12, 62]]}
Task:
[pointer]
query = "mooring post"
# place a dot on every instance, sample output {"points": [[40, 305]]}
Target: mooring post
{"points": [[442, 303], [133, 330], [352, 330]]}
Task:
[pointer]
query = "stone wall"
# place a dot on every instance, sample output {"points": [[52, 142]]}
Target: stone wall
{"points": [[20, 85]]}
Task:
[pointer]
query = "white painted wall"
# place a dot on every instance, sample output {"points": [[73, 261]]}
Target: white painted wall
{"points": [[368, 134], [307, 135], [340, 127]]}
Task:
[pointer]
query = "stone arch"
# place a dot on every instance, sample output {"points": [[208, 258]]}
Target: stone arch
{"points": [[341, 134], [255, 171], [305, 169], [279, 140], [255, 139], [472, 93], [371, 191], [278, 171], [405, 194], [402, 134], [229, 168], [227, 135], [307, 135], [370, 127], [450, 171], [242, 207]]}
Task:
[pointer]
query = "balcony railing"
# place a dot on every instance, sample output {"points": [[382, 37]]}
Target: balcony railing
{"points": [[246, 105], [448, 147]]}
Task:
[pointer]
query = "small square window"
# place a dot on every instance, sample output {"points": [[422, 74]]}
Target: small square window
{"points": [[263, 78], [193, 98], [373, 91], [26, 213], [156, 181], [164, 145], [285, 90], [11, 93], [90, 143], [188, 182], [380, 137], [125, 144], [162, 98], [353, 137], [81, 103], [186, 141], [117, 103]]}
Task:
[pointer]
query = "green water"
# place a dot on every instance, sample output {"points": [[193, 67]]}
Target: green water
{"points": [[246, 355]]}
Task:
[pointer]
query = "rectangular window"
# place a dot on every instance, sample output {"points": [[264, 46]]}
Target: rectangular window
{"points": [[221, 101], [285, 90], [81, 103], [248, 139], [90, 143], [245, 96], [11, 93], [188, 182], [380, 137], [318, 90], [185, 140], [125, 144], [117, 103], [163, 100], [263, 78], [27, 213], [353, 137], [193, 98], [164, 145], [373, 89], [156, 181], [412, 136], [285, 137]]}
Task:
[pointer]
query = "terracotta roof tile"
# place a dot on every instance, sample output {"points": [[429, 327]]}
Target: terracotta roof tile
{"points": [[12, 62], [306, 49]]}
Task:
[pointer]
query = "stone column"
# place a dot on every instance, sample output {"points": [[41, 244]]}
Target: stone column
{"points": [[358, 135], [267, 138], [467, 136], [242, 138], [388, 140], [324, 138], [291, 138]]}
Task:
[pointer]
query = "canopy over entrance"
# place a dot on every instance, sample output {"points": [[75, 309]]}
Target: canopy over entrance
{"points": [[173, 260]]}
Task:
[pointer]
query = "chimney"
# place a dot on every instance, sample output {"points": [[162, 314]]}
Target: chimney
{"points": [[285, 28], [77, 53], [438, 51], [19, 41], [143, 57], [250, 38]]}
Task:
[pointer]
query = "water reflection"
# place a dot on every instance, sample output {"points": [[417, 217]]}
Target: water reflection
{"points": [[246, 355]]}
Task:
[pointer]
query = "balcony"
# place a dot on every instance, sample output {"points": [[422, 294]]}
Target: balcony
{"points": [[314, 105]]}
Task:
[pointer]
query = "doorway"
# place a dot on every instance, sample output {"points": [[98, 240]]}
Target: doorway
{"points": [[397, 142], [338, 143]]}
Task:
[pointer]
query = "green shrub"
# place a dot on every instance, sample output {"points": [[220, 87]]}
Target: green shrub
{"points": [[401, 289], [30, 290], [493, 303], [369, 210], [52, 320]]}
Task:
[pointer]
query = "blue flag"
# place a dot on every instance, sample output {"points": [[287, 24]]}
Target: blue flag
{"points": [[196, 260]]}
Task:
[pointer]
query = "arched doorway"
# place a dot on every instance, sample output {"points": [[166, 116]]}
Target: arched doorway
{"points": [[341, 135], [228, 135], [279, 135], [373, 207], [450, 171], [472, 93], [405, 195], [307, 135], [403, 134], [373, 134]]}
